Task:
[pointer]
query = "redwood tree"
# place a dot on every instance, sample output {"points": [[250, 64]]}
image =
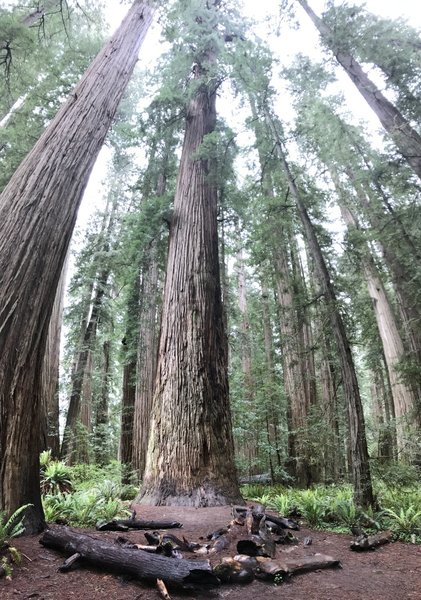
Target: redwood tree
{"points": [[37, 215], [191, 453], [406, 138]]}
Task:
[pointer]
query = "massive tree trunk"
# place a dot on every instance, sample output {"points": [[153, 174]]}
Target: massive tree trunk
{"points": [[407, 140], [38, 210], [191, 451], [363, 491]]}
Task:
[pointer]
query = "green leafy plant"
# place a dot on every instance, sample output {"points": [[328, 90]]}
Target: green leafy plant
{"points": [[405, 522], [10, 528], [281, 503], [44, 460], [312, 507], [13, 526], [56, 478]]}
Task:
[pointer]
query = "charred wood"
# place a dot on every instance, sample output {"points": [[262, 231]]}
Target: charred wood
{"points": [[137, 563]]}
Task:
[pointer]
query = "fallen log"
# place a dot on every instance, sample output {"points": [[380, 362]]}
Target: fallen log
{"points": [[126, 524], [268, 568], [182, 573], [370, 542], [257, 512]]}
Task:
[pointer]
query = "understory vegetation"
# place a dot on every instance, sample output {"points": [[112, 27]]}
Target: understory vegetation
{"points": [[83, 495]]}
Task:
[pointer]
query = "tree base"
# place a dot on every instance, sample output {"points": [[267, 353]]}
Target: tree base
{"points": [[197, 497]]}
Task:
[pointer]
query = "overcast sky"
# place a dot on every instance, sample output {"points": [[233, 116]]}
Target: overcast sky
{"points": [[304, 40]]}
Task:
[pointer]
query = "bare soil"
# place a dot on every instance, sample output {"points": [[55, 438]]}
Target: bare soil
{"points": [[392, 572]]}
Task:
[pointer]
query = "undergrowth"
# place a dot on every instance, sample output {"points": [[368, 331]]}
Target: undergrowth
{"points": [[82, 495], [331, 507]]}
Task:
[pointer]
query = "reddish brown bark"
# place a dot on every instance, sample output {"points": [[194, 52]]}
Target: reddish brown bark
{"points": [[37, 215], [190, 455]]}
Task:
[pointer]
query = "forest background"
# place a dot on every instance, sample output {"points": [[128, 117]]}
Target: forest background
{"points": [[299, 175]]}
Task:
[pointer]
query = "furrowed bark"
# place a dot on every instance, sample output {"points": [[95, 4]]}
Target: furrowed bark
{"points": [[37, 216]]}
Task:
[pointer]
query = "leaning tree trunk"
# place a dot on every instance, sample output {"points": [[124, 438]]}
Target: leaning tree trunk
{"points": [[191, 451], [363, 491], [38, 210], [407, 140]]}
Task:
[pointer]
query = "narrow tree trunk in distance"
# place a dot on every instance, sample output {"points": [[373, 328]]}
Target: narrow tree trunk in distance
{"points": [[50, 373], [38, 210], [272, 409], [191, 451], [146, 359], [102, 453], [403, 397], [248, 448], [407, 140], [358, 444], [80, 374]]}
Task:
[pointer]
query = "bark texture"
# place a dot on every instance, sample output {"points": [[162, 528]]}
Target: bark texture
{"points": [[37, 216], [190, 455]]}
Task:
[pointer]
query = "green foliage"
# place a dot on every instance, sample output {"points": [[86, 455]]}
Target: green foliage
{"points": [[13, 526], [312, 506], [404, 522], [82, 509], [56, 478], [10, 528], [97, 495]]}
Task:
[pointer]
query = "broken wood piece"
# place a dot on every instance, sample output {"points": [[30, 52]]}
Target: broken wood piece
{"points": [[182, 573], [232, 571], [163, 592], [268, 568], [69, 562], [125, 524], [370, 542]]}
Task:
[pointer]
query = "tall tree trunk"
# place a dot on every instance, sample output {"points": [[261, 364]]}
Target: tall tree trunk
{"points": [[102, 453], [403, 397], [191, 451], [81, 375], [50, 373], [146, 359], [292, 355], [247, 446], [38, 210], [407, 140], [271, 408], [405, 286], [363, 491]]}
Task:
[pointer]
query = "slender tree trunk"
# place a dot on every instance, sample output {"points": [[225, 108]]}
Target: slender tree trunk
{"points": [[407, 140], [102, 453], [403, 397], [50, 373], [247, 447], [146, 359], [358, 444], [81, 375], [272, 409], [38, 210], [191, 451]]}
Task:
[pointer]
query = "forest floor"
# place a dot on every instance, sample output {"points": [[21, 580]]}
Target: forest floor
{"points": [[392, 572]]}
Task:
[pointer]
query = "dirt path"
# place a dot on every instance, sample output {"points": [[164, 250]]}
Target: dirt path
{"points": [[393, 572]]}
